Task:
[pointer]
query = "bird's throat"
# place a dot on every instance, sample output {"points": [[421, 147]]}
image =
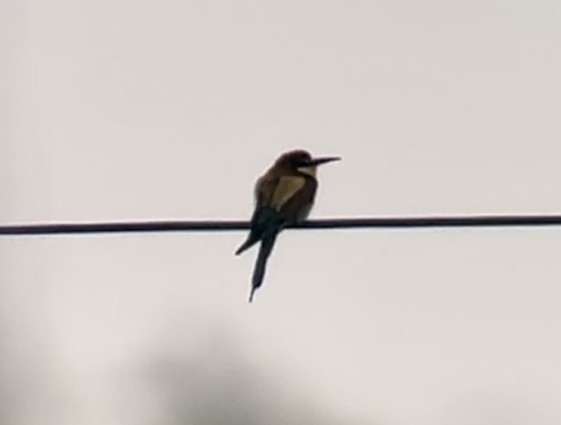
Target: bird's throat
{"points": [[310, 170]]}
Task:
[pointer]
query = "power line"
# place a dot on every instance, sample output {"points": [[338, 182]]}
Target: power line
{"points": [[326, 223]]}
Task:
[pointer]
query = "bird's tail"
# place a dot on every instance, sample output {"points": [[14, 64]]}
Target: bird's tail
{"points": [[265, 249], [249, 242], [263, 220]]}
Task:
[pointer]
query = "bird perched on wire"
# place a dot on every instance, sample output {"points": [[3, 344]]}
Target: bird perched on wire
{"points": [[284, 196]]}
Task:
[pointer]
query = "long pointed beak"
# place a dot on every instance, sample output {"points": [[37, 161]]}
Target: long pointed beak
{"points": [[325, 160]]}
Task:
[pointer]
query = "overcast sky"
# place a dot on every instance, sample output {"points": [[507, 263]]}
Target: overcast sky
{"points": [[133, 110]]}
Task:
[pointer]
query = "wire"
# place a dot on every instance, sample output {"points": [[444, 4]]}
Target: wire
{"points": [[326, 223]]}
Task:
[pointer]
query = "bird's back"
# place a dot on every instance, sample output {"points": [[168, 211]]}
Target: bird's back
{"points": [[291, 195]]}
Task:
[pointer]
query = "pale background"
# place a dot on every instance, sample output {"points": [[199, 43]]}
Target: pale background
{"points": [[122, 110]]}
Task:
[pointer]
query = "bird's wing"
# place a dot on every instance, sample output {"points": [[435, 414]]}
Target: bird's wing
{"points": [[275, 191], [297, 208]]}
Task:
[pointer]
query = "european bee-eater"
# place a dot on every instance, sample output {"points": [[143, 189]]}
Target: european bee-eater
{"points": [[284, 196]]}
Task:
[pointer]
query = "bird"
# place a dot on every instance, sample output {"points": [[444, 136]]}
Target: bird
{"points": [[284, 196]]}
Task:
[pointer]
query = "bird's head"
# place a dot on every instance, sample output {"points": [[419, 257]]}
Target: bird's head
{"points": [[302, 161]]}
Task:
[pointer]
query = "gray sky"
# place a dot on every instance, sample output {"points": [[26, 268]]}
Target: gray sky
{"points": [[120, 110]]}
